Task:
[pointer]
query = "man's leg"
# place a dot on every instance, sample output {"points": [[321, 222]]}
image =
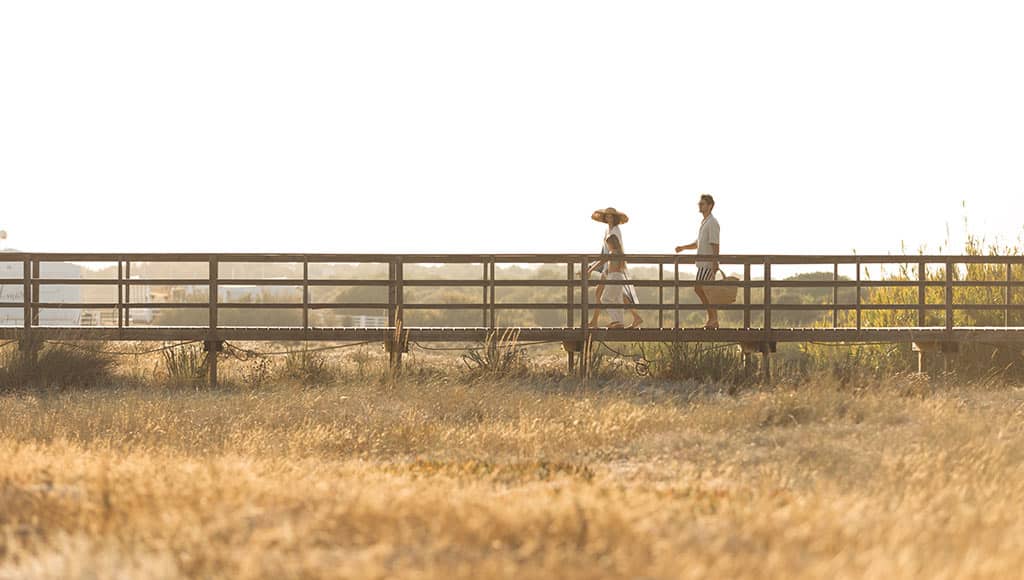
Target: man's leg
{"points": [[703, 275], [707, 304]]}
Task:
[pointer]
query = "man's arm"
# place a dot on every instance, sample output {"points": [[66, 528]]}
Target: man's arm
{"points": [[692, 246], [714, 252]]}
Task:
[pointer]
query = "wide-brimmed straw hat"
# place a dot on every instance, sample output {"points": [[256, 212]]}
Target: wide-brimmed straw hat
{"points": [[602, 215]]}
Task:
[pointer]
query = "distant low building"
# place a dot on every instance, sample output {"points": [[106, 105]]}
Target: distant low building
{"points": [[361, 321], [12, 290]]}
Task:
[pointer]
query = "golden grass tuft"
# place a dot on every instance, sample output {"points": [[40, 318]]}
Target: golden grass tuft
{"points": [[57, 365]]}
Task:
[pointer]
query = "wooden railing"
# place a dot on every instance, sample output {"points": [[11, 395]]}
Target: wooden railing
{"points": [[670, 306], [757, 302]]}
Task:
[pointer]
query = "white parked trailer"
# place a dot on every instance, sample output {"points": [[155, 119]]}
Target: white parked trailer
{"points": [[47, 293]]}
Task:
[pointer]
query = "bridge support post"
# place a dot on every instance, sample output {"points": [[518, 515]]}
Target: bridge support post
{"points": [[748, 349], [948, 350], [585, 358], [29, 348], [212, 348], [572, 348], [396, 347], [748, 365], [766, 349], [922, 348], [766, 363]]}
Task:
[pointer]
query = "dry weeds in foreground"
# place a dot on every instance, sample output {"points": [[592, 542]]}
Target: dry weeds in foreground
{"points": [[429, 479]]}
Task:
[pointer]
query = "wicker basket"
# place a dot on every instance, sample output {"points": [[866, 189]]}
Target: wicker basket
{"points": [[724, 294]]}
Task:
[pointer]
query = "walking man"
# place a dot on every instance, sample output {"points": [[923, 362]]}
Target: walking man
{"points": [[707, 246]]}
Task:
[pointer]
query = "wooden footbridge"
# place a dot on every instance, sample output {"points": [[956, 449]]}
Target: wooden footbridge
{"points": [[935, 288]]}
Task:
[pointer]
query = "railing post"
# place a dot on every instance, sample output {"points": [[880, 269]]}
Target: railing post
{"points": [[392, 301], [949, 294], [400, 290], [305, 293], [1009, 292], [214, 282], [36, 295], [767, 294], [27, 344], [26, 296], [120, 293], [570, 315], [212, 344], [857, 300], [922, 296], [746, 296], [127, 293], [396, 343], [484, 287], [835, 295], [676, 287], [857, 297], [570, 293], [766, 345], [493, 300], [585, 318], [661, 295]]}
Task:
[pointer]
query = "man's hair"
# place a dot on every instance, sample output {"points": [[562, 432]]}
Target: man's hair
{"points": [[707, 198]]}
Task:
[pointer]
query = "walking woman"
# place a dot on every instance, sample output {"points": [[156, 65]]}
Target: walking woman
{"points": [[615, 288]]}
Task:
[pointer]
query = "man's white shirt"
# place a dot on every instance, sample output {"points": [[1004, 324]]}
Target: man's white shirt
{"points": [[708, 235]]}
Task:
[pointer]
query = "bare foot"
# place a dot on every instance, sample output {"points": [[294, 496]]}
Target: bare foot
{"points": [[636, 323], [615, 325]]}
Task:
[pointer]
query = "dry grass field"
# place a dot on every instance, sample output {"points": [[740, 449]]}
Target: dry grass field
{"points": [[438, 476]]}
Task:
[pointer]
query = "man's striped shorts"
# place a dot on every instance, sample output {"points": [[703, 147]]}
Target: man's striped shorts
{"points": [[705, 274]]}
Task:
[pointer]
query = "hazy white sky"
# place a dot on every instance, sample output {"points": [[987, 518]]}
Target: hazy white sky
{"points": [[473, 126]]}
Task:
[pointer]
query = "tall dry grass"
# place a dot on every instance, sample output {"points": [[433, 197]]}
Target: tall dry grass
{"points": [[974, 361], [54, 365], [442, 477]]}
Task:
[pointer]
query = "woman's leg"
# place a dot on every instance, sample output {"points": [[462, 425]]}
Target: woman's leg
{"points": [[630, 298], [614, 295], [637, 319]]}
